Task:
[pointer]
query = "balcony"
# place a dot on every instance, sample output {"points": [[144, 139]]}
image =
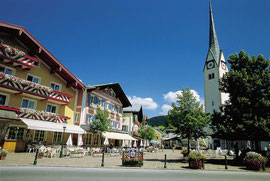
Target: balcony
{"points": [[41, 115], [16, 58], [17, 85]]}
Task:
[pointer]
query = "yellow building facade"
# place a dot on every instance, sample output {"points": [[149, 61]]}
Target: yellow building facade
{"points": [[37, 93]]}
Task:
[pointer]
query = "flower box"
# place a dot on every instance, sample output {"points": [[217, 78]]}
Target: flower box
{"points": [[40, 155], [135, 160], [255, 161], [196, 163], [196, 160]]}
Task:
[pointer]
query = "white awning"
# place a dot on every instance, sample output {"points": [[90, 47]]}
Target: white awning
{"points": [[50, 126], [117, 136]]}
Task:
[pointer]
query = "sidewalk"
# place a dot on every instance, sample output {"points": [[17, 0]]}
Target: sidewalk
{"points": [[151, 161]]}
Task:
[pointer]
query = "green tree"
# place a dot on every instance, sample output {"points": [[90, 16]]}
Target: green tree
{"points": [[148, 133], [246, 114], [187, 116], [101, 123]]}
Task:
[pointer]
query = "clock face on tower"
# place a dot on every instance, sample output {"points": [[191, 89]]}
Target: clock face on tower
{"points": [[223, 65], [210, 64]]}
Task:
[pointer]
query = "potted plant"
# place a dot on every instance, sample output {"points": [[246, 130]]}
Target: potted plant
{"points": [[196, 160], [3, 154], [255, 161], [40, 155]]}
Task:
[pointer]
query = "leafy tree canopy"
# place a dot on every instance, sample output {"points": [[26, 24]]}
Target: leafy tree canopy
{"points": [[101, 123], [187, 116], [246, 115], [147, 133]]}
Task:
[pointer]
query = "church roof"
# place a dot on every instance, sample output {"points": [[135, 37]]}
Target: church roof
{"points": [[213, 41]]}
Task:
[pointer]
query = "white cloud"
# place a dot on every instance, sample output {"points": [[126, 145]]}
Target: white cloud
{"points": [[172, 96], [146, 103], [165, 108]]}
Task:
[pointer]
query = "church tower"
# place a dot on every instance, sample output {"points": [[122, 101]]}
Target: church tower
{"points": [[214, 68]]}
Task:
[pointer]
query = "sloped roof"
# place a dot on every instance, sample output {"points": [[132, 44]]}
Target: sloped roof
{"points": [[117, 89], [38, 49]]}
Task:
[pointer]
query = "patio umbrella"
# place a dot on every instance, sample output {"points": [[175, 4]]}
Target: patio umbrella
{"points": [[141, 144], [106, 141], [123, 143], [80, 141], [145, 144], [197, 145], [129, 143], [135, 144], [69, 141]]}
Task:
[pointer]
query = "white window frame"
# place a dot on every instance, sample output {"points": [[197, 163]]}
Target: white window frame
{"points": [[76, 116], [35, 102], [57, 137], [39, 78], [7, 67], [56, 110], [60, 85], [7, 97], [44, 138]]}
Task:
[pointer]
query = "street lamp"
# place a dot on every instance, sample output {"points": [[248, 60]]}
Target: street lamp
{"points": [[62, 145]]}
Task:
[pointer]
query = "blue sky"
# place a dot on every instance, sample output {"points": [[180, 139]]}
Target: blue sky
{"points": [[153, 48]]}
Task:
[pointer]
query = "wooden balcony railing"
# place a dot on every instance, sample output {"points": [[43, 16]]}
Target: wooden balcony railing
{"points": [[22, 86], [16, 58]]}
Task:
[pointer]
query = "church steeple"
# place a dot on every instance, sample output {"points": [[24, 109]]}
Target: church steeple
{"points": [[213, 41]]}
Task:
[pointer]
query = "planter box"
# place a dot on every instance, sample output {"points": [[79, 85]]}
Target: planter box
{"points": [[255, 165], [3, 157], [132, 164], [196, 164]]}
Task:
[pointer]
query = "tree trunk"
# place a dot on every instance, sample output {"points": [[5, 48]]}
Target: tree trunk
{"points": [[257, 146], [188, 144]]}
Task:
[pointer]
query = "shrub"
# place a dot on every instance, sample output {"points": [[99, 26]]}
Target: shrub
{"points": [[184, 152], [3, 152], [196, 155]]}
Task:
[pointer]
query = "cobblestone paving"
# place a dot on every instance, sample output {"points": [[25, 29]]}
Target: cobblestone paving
{"points": [[151, 161]]}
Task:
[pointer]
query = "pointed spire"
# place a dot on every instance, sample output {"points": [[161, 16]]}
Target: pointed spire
{"points": [[213, 41]]}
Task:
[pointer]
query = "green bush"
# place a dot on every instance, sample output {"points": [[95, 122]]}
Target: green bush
{"points": [[3, 152], [196, 155]]}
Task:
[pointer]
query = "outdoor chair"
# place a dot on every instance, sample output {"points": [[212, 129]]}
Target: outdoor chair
{"points": [[30, 148]]}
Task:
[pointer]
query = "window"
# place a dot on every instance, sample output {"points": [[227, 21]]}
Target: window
{"points": [[4, 99], [88, 139], [51, 108], [211, 76], [77, 117], [16, 133], [6, 70], [39, 136], [55, 86], [125, 128], [96, 138], [87, 119], [28, 104], [33, 78], [57, 138]]}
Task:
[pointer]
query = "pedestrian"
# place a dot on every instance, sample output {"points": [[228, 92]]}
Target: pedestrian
{"points": [[173, 147]]}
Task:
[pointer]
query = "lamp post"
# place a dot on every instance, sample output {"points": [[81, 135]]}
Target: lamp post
{"points": [[62, 145]]}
